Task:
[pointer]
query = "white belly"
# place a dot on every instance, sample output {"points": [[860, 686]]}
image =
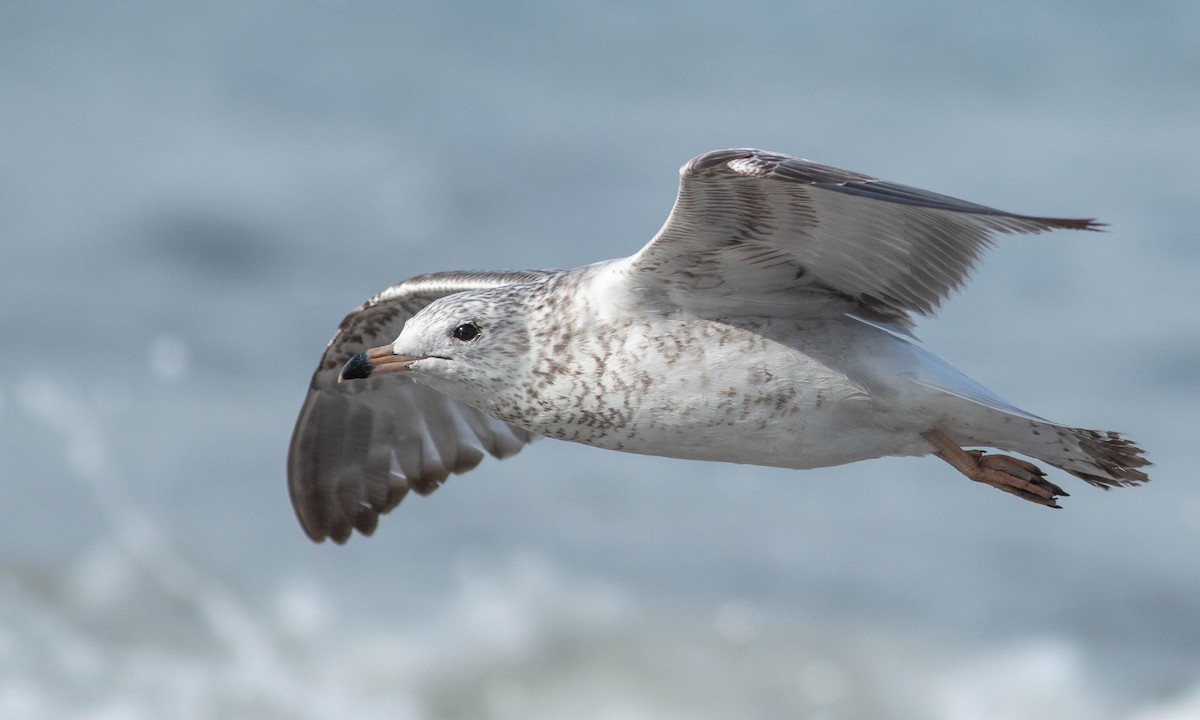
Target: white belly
{"points": [[714, 391]]}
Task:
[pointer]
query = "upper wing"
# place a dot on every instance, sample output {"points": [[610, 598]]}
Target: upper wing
{"points": [[360, 446], [771, 234]]}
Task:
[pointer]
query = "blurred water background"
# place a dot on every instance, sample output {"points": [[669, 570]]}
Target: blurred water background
{"points": [[192, 195]]}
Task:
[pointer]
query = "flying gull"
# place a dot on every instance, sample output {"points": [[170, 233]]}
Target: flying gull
{"points": [[768, 322]]}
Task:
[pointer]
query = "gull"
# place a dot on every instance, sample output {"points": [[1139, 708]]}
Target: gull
{"points": [[768, 322]]}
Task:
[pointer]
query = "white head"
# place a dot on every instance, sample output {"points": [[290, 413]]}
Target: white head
{"points": [[467, 345]]}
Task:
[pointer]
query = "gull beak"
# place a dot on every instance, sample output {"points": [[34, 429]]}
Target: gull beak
{"points": [[376, 361]]}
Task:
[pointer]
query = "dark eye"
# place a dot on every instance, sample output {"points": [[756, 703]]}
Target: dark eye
{"points": [[466, 332]]}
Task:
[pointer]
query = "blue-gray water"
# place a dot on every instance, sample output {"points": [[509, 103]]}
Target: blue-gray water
{"points": [[192, 197]]}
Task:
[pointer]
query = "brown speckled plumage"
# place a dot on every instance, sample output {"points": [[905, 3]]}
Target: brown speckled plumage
{"points": [[767, 322]]}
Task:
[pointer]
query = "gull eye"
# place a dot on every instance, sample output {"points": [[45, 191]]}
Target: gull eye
{"points": [[466, 332]]}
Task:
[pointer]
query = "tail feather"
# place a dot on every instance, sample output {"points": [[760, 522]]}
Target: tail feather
{"points": [[1117, 458], [1103, 459]]}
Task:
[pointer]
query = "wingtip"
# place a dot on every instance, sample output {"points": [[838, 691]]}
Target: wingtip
{"points": [[713, 158], [1089, 224]]}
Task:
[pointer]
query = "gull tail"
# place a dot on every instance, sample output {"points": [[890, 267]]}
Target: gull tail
{"points": [[975, 416], [1102, 458]]}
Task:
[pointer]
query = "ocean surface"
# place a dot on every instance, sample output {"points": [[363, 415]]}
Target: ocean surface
{"points": [[192, 196]]}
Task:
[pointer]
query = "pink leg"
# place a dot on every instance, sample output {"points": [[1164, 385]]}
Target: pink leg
{"points": [[1002, 472]]}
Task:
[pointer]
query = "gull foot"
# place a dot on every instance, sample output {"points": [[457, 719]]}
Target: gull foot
{"points": [[1017, 477]]}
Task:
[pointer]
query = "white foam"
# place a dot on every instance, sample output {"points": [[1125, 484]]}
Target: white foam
{"points": [[102, 577], [1184, 707], [738, 621], [170, 358], [521, 638], [302, 610], [1044, 678]]}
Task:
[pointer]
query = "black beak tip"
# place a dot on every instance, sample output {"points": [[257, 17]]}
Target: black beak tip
{"points": [[357, 368]]}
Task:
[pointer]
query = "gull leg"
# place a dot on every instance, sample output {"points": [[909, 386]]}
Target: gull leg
{"points": [[1002, 472]]}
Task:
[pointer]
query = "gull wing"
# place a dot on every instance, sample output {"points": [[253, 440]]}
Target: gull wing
{"points": [[359, 447], [759, 233]]}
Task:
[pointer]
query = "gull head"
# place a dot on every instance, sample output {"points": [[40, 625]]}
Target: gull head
{"points": [[466, 345]]}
